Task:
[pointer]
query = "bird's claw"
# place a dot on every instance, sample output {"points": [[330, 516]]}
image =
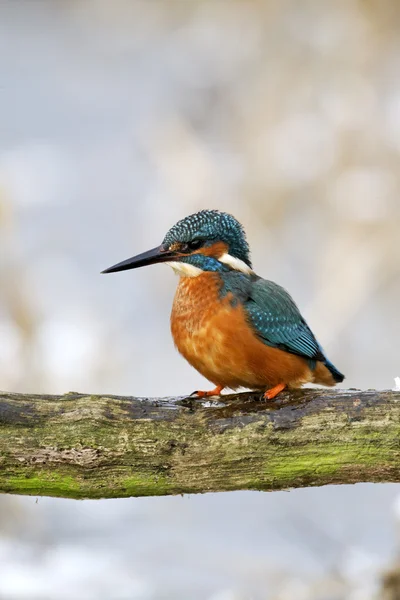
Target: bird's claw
{"points": [[209, 394], [273, 392]]}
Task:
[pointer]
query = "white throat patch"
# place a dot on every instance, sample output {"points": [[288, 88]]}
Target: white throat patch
{"points": [[185, 269], [236, 264]]}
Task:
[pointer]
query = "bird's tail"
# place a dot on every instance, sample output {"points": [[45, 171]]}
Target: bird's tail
{"points": [[337, 375]]}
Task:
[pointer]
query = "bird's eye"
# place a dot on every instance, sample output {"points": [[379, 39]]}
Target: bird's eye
{"points": [[192, 245]]}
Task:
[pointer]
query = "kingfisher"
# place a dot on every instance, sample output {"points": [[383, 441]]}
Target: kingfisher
{"points": [[236, 328]]}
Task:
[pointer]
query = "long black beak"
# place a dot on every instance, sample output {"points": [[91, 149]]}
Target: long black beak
{"points": [[155, 255]]}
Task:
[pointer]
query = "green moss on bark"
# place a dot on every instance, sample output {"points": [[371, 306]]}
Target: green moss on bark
{"points": [[77, 446]]}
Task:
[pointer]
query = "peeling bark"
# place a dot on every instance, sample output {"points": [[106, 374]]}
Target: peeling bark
{"points": [[86, 446]]}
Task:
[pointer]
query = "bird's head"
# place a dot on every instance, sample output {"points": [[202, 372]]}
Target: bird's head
{"points": [[208, 240]]}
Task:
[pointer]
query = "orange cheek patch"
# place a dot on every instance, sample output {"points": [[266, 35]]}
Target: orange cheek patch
{"points": [[216, 250]]}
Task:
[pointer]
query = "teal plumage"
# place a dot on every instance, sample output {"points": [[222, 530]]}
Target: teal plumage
{"points": [[279, 323], [275, 318]]}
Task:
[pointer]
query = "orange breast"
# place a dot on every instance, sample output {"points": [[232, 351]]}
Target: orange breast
{"points": [[216, 339]]}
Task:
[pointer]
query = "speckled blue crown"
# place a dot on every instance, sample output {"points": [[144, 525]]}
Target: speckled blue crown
{"points": [[212, 226]]}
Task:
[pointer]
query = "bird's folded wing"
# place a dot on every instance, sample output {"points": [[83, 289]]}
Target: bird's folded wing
{"points": [[277, 321]]}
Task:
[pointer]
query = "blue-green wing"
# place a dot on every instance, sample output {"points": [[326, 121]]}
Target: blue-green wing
{"points": [[277, 320]]}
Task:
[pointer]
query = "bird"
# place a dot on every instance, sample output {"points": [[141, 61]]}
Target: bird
{"points": [[236, 328]]}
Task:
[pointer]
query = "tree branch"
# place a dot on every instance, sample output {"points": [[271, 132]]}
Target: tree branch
{"points": [[84, 446]]}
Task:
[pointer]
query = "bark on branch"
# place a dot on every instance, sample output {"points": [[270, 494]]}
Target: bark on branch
{"points": [[85, 446]]}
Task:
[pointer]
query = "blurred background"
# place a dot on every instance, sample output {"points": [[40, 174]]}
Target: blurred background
{"points": [[119, 118]]}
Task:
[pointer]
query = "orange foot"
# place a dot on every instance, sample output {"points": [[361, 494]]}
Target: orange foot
{"points": [[270, 394], [216, 392]]}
